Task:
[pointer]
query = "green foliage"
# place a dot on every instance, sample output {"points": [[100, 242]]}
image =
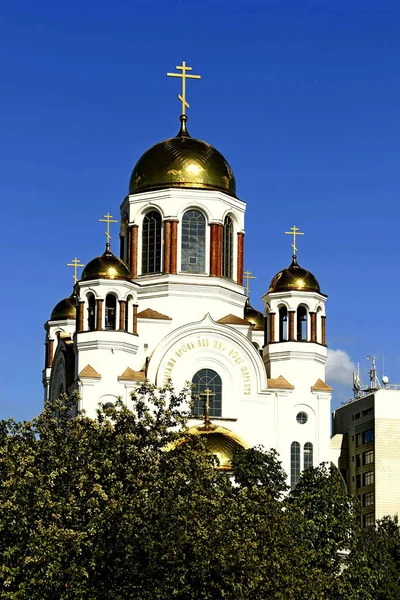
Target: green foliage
{"points": [[128, 506]]}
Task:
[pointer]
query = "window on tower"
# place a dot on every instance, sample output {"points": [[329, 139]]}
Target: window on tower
{"points": [[227, 248], [283, 324], [308, 455], [294, 464], [151, 243], [193, 242], [111, 312], [91, 312], [302, 324], [207, 379]]}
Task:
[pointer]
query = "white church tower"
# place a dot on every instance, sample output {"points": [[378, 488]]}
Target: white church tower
{"points": [[173, 308]]}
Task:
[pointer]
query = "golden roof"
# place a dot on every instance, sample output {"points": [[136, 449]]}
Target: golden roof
{"points": [[65, 309], [253, 316], [294, 278], [106, 266], [182, 162]]}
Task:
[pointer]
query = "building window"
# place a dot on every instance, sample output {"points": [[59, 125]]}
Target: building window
{"points": [[368, 411], [111, 312], [301, 324], [308, 455], [368, 499], [358, 460], [358, 481], [302, 417], [358, 440], [193, 242], [368, 520], [283, 324], [357, 416], [91, 312], [368, 478], [368, 457], [368, 436], [151, 243], [227, 248], [294, 463], [203, 380]]}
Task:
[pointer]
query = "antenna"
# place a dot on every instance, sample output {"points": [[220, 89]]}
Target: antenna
{"points": [[373, 379]]}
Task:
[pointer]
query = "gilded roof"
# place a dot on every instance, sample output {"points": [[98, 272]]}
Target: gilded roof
{"points": [[253, 316], [65, 309], [106, 266], [294, 278], [182, 162]]}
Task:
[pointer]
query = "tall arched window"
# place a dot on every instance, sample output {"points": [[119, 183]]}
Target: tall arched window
{"points": [[193, 242], [91, 312], [151, 243], [283, 324], [308, 455], [302, 324], [294, 463], [227, 248], [203, 380], [111, 312]]}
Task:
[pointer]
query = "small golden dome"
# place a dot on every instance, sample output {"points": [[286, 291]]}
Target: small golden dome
{"points": [[294, 278], [253, 316], [66, 309], [106, 266], [182, 162]]}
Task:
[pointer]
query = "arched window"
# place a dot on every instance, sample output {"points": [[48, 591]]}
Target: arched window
{"points": [[203, 380], [111, 312], [193, 242], [91, 312], [294, 463], [151, 243], [308, 455], [283, 324], [301, 324], [227, 248]]}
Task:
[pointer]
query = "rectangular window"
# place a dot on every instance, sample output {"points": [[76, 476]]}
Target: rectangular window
{"points": [[368, 411], [368, 436], [358, 460], [368, 457], [357, 416], [368, 478], [358, 481], [368, 499], [368, 520], [358, 440]]}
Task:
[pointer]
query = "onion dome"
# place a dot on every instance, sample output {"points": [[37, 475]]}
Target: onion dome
{"points": [[66, 309], [294, 278], [182, 162], [253, 316], [106, 266]]}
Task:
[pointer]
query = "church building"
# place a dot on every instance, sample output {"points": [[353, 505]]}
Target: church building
{"points": [[172, 306]]}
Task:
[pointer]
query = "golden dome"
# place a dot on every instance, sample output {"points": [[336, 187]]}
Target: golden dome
{"points": [[106, 266], [253, 316], [182, 162], [219, 441], [65, 309], [294, 278]]}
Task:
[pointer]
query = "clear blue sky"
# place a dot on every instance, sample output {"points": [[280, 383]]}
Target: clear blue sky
{"points": [[301, 97]]}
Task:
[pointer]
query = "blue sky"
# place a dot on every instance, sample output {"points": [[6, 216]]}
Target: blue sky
{"points": [[301, 97]]}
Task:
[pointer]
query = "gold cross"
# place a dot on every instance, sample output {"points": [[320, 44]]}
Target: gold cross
{"points": [[247, 275], [294, 231], [184, 75], [75, 263], [108, 219], [207, 393]]}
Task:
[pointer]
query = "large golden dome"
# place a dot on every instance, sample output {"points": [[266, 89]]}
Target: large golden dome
{"points": [[294, 278], [182, 162], [65, 309], [253, 316], [106, 266]]}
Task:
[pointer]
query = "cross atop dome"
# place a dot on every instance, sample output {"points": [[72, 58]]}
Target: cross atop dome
{"points": [[184, 75], [294, 231]]}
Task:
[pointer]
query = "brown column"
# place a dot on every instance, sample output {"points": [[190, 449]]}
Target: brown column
{"points": [[313, 317], [167, 246], [213, 249], [240, 257], [128, 246], [220, 229], [49, 353], [323, 331], [99, 324], [271, 326], [80, 313], [291, 325], [133, 250], [134, 319], [174, 246], [122, 308]]}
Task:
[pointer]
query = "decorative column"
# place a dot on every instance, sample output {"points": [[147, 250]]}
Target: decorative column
{"points": [[133, 250], [122, 309], [291, 325], [313, 317], [220, 229], [99, 324], [323, 331], [49, 353], [167, 247], [213, 249], [271, 326], [80, 316], [240, 258], [134, 326], [174, 247]]}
